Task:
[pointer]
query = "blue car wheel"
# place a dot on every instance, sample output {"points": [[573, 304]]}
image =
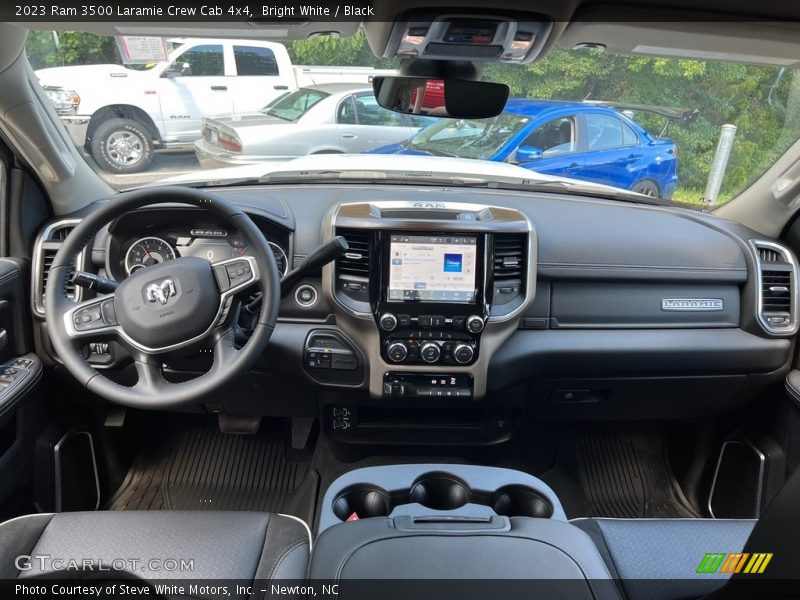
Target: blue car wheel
{"points": [[648, 187]]}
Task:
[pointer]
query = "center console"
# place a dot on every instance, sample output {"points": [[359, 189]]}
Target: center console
{"points": [[428, 290], [450, 529]]}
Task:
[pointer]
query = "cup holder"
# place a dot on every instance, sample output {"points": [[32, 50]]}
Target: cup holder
{"points": [[365, 501], [439, 491], [521, 501]]}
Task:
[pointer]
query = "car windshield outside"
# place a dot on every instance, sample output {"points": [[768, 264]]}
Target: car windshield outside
{"points": [[476, 138], [650, 125], [294, 105]]}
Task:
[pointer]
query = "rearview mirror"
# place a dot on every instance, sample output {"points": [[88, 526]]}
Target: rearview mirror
{"points": [[455, 98], [528, 154]]}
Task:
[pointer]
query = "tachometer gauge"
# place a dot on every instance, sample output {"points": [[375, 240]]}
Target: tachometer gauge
{"points": [[147, 252], [280, 258]]}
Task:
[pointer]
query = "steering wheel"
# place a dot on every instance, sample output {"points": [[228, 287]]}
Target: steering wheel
{"points": [[177, 304]]}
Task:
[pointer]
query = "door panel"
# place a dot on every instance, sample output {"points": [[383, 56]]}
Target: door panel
{"points": [[20, 373], [203, 91], [613, 157]]}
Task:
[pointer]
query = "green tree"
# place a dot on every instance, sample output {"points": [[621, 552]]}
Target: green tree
{"points": [[57, 49]]}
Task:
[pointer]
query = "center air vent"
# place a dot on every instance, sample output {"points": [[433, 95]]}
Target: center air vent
{"points": [[353, 269], [47, 245], [776, 288], [509, 267]]}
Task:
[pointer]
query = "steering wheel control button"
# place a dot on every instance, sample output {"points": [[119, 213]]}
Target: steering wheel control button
{"points": [[388, 322], [109, 313], [87, 319], [238, 272], [306, 296], [474, 324], [397, 352], [430, 352], [463, 353]]}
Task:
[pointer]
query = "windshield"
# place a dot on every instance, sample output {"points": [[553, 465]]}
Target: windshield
{"points": [[213, 110], [468, 138], [294, 105]]}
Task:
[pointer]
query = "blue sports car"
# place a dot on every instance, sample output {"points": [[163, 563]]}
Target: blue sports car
{"points": [[580, 140]]}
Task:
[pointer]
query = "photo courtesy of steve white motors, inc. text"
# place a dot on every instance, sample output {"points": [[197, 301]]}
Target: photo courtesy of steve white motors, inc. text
{"points": [[221, 9]]}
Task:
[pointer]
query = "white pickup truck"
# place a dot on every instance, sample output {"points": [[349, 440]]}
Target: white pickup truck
{"points": [[121, 115]]}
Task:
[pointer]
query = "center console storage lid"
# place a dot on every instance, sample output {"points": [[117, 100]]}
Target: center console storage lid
{"points": [[547, 551]]}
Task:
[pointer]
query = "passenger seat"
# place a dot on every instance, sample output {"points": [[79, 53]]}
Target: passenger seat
{"points": [[244, 546]]}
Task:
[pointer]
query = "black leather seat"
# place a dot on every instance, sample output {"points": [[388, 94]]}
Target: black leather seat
{"points": [[220, 545], [657, 559]]}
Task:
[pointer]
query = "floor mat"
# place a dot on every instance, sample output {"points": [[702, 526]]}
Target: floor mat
{"points": [[203, 469], [625, 476]]}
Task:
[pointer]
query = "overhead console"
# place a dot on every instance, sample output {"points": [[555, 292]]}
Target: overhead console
{"points": [[431, 288], [507, 36]]}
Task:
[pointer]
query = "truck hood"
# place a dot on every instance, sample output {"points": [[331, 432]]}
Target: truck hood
{"points": [[72, 77], [395, 165]]}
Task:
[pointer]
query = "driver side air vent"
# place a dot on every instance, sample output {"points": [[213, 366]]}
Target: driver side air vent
{"points": [[776, 288], [353, 269], [47, 245]]}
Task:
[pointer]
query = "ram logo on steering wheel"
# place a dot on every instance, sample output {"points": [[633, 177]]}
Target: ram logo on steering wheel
{"points": [[162, 291]]}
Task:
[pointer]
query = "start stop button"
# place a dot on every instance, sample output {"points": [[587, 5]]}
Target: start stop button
{"points": [[306, 295]]}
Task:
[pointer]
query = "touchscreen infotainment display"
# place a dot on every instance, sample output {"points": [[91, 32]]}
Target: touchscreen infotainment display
{"points": [[435, 268]]}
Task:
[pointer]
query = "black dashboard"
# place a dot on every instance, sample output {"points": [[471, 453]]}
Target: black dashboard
{"points": [[462, 309]]}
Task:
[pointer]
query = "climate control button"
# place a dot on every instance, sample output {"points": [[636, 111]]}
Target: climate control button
{"points": [[430, 352], [397, 352], [463, 353]]}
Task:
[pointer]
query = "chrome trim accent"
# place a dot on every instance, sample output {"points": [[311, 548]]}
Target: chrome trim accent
{"points": [[387, 316], [788, 256], [692, 304], [285, 258], [762, 460], [37, 291], [117, 329], [128, 269], [361, 327], [306, 304]]}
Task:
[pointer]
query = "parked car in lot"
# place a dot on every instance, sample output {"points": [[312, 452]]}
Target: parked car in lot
{"points": [[580, 140], [321, 119], [122, 115]]}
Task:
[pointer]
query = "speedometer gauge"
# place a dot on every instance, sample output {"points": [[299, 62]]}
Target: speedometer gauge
{"points": [[147, 252], [280, 258]]}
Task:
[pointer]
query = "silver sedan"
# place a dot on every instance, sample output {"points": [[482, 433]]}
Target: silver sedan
{"points": [[322, 119]]}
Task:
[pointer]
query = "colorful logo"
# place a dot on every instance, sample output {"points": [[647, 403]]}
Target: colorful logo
{"points": [[737, 562]]}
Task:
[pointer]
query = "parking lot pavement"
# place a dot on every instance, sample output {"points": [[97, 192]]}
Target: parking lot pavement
{"points": [[166, 164]]}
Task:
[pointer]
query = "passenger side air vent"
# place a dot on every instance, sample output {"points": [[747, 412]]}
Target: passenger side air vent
{"points": [[353, 269], [776, 288], [510, 264], [47, 245]]}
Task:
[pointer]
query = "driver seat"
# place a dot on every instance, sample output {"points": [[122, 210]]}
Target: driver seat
{"points": [[245, 546]]}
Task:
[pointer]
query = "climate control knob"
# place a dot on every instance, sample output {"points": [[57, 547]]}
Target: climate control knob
{"points": [[463, 353], [388, 322], [430, 352], [397, 352], [474, 324]]}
